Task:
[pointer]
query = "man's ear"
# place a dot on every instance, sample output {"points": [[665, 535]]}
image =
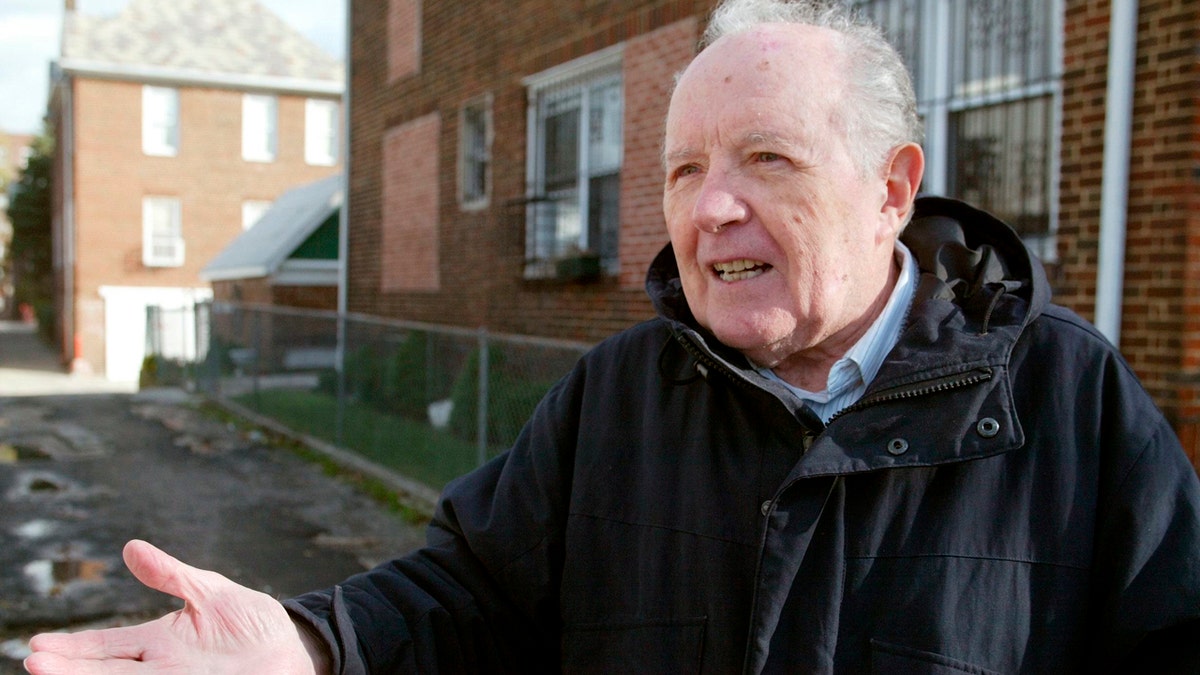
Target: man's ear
{"points": [[903, 179]]}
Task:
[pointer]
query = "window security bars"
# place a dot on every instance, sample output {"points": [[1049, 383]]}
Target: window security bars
{"points": [[576, 153], [988, 75]]}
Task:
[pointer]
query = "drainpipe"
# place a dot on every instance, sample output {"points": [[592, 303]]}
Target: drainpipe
{"points": [[343, 212], [343, 234], [70, 342], [1114, 195]]}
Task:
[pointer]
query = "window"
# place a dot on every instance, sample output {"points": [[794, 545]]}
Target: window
{"points": [[252, 211], [162, 232], [475, 154], [259, 140], [574, 176], [990, 95], [160, 121], [320, 132]]}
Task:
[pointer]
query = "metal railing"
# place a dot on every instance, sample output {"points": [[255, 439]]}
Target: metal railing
{"points": [[428, 402]]}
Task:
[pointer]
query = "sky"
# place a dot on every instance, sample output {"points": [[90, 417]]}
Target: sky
{"points": [[30, 31]]}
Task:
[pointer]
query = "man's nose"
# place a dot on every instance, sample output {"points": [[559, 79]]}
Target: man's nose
{"points": [[719, 204]]}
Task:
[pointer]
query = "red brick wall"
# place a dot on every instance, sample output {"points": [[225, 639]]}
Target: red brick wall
{"points": [[650, 64], [1160, 328], [410, 249], [403, 38], [466, 52], [208, 175], [260, 291]]}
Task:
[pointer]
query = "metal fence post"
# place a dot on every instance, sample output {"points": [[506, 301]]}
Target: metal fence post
{"points": [[256, 340], [482, 411], [339, 366]]}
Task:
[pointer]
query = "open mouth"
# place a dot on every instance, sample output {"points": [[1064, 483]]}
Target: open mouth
{"points": [[740, 270]]}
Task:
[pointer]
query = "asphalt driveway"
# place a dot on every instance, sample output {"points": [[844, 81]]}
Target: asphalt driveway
{"points": [[86, 465]]}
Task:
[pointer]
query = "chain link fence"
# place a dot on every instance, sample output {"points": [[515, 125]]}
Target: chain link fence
{"points": [[427, 402]]}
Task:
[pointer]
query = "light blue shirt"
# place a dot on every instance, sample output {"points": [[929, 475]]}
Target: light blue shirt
{"points": [[850, 375]]}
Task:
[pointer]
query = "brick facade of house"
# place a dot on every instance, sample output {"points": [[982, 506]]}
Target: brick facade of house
{"points": [[111, 176], [155, 111], [466, 52]]}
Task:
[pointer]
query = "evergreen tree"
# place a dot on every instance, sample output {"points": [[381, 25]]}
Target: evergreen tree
{"points": [[32, 261]]}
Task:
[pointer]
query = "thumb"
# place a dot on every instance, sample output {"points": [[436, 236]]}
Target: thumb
{"points": [[162, 572]]}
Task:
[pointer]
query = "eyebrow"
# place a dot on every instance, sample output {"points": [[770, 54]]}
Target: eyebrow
{"points": [[751, 139]]}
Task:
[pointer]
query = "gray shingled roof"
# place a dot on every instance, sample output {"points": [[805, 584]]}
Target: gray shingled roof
{"points": [[261, 250], [215, 36]]}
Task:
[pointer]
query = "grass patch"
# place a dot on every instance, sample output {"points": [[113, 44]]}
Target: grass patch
{"points": [[410, 448]]}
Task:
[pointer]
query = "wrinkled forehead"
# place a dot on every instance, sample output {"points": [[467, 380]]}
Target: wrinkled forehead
{"points": [[770, 78], [771, 54]]}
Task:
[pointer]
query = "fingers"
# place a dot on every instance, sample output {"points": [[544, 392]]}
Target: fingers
{"points": [[162, 572], [53, 664], [126, 642]]}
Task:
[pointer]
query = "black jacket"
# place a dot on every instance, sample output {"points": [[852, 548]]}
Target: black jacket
{"points": [[1004, 498]]}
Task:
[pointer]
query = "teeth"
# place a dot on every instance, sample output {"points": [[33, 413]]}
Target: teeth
{"points": [[737, 270]]}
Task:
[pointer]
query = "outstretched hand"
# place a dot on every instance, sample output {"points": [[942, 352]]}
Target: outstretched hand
{"points": [[223, 628]]}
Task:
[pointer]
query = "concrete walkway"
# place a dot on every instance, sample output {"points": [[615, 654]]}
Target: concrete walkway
{"points": [[29, 367]]}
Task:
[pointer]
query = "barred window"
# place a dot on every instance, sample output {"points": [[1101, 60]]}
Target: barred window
{"points": [[988, 76], [576, 146]]}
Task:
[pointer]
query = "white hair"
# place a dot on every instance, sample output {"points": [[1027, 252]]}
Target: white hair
{"points": [[881, 108]]}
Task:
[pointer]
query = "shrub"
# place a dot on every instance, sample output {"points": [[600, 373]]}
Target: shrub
{"points": [[404, 379], [511, 400]]}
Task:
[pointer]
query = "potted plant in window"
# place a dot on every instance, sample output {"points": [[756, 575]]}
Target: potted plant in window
{"points": [[577, 264]]}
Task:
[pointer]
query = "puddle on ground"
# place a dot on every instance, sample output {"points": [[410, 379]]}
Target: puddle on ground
{"points": [[15, 649], [35, 529], [11, 453], [51, 577], [44, 485], [41, 485]]}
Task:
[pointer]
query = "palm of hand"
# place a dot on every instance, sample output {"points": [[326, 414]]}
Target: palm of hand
{"points": [[223, 628]]}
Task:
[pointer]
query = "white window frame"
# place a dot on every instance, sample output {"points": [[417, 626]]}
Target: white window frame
{"points": [[583, 73], [160, 121], [475, 153], [162, 232], [253, 210], [321, 131], [260, 127]]}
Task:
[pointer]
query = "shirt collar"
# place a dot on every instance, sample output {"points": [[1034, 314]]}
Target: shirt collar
{"points": [[859, 365]]}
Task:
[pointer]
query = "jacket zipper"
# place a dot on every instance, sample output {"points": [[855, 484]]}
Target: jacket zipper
{"points": [[935, 386]]}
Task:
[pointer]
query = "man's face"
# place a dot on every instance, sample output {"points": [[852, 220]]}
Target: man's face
{"points": [[784, 247]]}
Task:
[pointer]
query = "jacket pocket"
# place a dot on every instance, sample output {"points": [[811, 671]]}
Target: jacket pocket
{"points": [[897, 660], [647, 646]]}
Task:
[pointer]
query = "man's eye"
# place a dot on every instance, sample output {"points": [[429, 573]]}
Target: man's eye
{"points": [[767, 157], [688, 170]]}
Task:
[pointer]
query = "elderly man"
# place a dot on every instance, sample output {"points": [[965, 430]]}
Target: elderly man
{"points": [[838, 449]]}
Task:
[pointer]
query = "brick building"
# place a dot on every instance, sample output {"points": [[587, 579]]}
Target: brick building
{"points": [[177, 124], [505, 163]]}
